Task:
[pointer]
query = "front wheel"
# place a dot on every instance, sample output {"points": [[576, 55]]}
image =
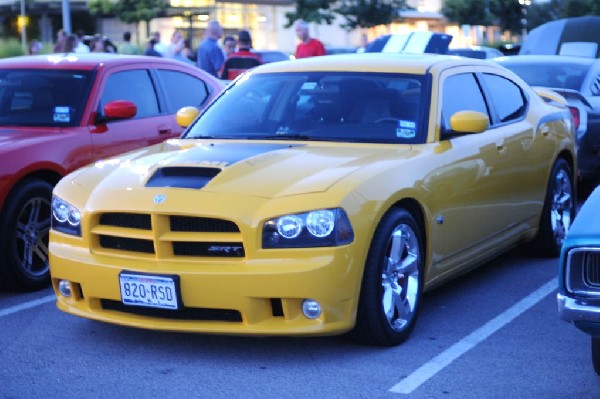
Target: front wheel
{"points": [[392, 284], [558, 212], [24, 228]]}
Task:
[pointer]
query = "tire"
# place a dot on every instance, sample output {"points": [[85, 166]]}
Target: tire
{"points": [[596, 354], [24, 228], [392, 285], [558, 211]]}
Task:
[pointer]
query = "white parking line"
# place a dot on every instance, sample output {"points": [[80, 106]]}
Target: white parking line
{"points": [[438, 363], [27, 305]]}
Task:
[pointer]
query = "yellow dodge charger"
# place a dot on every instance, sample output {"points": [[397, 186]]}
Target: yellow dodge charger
{"points": [[317, 197]]}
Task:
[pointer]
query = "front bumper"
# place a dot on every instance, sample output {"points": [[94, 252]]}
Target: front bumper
{"points": [[583, 313], [266, 294]]}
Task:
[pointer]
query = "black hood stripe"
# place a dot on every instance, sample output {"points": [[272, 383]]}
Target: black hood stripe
{"points": [[195, 168], [224, 154]]}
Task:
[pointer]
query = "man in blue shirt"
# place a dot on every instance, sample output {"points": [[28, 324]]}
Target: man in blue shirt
{"points": [[210, 56]]}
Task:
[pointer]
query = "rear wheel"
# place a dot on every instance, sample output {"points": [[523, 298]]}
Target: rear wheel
{"points": [[392, 284], [24, 228], [558, 212]]}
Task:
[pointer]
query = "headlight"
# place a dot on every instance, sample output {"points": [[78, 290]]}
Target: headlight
{"points": [[65, 217], [318, 228]]}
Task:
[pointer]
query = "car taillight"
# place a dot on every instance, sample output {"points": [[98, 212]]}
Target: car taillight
{"points": [[575, 113]]}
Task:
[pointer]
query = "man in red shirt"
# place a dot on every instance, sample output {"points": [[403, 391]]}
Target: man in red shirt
{"points": [[308, 47], [241, 60]]}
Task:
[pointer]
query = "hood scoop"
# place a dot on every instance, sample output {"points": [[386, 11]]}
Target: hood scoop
{"points": [[182, 177]]}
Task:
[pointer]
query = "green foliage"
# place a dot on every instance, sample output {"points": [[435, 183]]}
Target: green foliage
{"points": [[10, 48], [318, 11], [466, 12], [129, 11], [369, 13], [101, 7], [508, 14]]}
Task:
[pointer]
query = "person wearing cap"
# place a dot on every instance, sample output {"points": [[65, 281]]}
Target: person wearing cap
{"points": [[308, 46], [241, 60]]}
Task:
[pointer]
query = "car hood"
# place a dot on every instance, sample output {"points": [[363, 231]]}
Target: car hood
{"points": [[261, 169]]}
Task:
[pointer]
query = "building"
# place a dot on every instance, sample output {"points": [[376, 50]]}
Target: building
{"points": [[265, 19]]}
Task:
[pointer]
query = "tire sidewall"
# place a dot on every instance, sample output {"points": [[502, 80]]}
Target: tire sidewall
{"points": [[370, 317], [546, 243], [13, 275]]}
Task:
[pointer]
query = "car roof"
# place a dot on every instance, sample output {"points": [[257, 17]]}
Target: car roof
{"points": [[554, 59], [369, 62], [80, 61]]}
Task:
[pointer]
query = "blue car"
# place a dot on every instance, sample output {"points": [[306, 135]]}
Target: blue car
{"points": [[579, 274]]}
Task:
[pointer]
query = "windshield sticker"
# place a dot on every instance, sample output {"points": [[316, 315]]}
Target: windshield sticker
{"points": [[406, 129], [62, 114]]}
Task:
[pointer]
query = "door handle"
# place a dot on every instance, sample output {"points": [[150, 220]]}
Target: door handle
{"points": [[164, 130]]}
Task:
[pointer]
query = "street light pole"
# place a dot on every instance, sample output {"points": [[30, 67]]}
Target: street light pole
{"points": [[23, 27], [524, 4], [66, 16]]}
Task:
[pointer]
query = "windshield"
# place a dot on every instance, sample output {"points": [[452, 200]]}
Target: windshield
{"points": [[327, 106], [563, 75], [42, 97]]}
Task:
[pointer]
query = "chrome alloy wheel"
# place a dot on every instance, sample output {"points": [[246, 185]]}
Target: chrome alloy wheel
{"points": [[31, 237], [562, 206], [400, 277]]}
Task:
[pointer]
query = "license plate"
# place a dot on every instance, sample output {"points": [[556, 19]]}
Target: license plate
{"points": [[149, 291]]}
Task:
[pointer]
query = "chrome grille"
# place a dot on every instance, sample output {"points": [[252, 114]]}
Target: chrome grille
{"points": [[591, 268], [166, 236]]}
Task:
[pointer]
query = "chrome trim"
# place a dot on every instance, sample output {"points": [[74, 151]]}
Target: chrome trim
{"points": [[574, 309], [582, 280]]}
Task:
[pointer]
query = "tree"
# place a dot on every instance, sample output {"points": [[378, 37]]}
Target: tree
{"points": [[131, 11], [317, 11], [466, 12], [369, 13], [508, 14]]}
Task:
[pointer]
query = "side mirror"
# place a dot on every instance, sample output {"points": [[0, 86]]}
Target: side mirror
{"points": [[120, 109], [469, 122], [186, 115]]}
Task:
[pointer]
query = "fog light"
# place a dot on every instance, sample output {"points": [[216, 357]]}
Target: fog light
{"points": [[64, 287], [311, 308]]}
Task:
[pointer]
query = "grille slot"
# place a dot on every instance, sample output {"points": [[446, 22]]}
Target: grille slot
{"points": [[127, 244], [209, 225], [129, 220], [204, 314], [591, 269]]}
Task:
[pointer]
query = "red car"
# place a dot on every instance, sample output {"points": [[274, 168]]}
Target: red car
{"points": [[62, 111]]}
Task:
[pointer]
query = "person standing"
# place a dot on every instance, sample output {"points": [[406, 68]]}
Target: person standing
{"points": [[61, 37], [81, 46], [35, 47], [210, 57], [150, 50], [229, 45], [241, 60], [308, 46], [127, 47]]}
